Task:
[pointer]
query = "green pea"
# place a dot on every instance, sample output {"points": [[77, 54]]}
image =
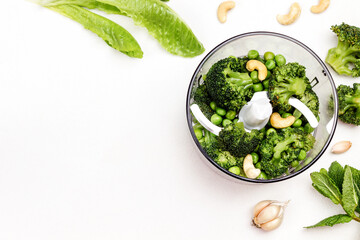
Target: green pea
{"points": [[230, 115], [270, 131], [253, 54], [270, 64], [198, 133], [235, 120], [226, 122], [258, 165], [216, 119], [254, 75], [294, 163], [258, 87], [255, 157], [297, 123], [265, 83], [235, 170], [269, 56], [308, 128], [280, 60], [213, 105], [220, 111], [302, 155], [285, 115], [262, 175]]}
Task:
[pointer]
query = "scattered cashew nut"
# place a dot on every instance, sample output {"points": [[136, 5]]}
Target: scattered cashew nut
{"points": [[249, 168], [278, 122], [293, 14], [322, 6], [251, 65], [223, 9]]}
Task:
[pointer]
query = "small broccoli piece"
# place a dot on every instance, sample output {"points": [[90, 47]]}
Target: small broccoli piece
{"points": [[311, 100], [349, 103], [202, 99], [229, 84], [287, 81], [237, 141], [201, 95], [224, 159], [345, 57], [280, 149]]}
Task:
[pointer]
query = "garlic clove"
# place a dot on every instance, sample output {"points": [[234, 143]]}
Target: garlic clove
{"points": [[260, 206], [272, 224], [341, 147], [267, 214]]}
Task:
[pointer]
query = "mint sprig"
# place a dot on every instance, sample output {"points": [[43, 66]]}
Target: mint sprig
{"points": [[341, 186]]}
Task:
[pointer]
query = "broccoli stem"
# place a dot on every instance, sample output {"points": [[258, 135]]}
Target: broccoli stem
{"points": [[341, 57]]}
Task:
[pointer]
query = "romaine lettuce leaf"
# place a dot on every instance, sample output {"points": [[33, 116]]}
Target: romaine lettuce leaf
{"points": [[162, 23], [113, 34]]}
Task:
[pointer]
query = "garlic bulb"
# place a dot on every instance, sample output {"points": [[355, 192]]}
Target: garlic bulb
{"points": [[268, 214]]}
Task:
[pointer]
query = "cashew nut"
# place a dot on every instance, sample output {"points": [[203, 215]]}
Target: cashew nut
{"points": [[251, 65], [293, 14], [249, 168], [278, 122], [223, 9], [322, 6]]}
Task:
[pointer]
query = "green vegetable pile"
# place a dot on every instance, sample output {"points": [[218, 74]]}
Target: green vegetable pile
{"points": [[227, 87], [342, 186], [160, 20]]}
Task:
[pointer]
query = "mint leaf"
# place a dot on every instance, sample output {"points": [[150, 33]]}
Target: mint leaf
{"points": [[326, 186], [336, 173], [350, 198], [331, 221]]}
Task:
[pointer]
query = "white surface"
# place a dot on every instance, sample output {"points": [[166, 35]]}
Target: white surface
{"points": [[78, 159]]}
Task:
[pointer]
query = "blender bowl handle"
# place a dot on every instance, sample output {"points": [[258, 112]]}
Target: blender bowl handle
{"points": [[204, 121], [308, 114]]}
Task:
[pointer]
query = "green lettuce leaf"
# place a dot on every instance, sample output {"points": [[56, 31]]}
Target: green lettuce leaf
{"points": [[331, 221], [350, 199], [90, 4], [113, 34], [336, 173], [162, 23], [326, 186]]}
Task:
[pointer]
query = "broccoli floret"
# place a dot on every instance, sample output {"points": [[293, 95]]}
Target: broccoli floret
{"points": [[202, 99], [229, 84], [287, 81], [280, 149], [349, 103], [201, 95], [237, 141], [224, 159], [345, 57], [311, 100]]}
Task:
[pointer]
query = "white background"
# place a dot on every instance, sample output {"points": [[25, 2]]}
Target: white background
{"points": [[95, 145]]}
